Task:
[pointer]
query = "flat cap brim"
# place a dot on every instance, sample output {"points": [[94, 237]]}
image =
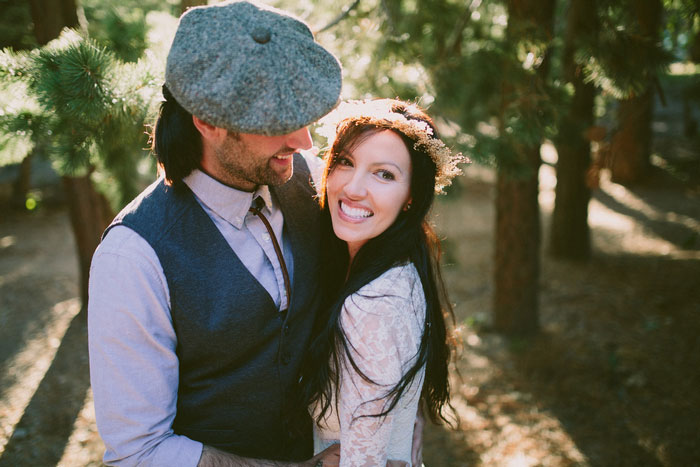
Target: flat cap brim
{"points": [[251, 68]]}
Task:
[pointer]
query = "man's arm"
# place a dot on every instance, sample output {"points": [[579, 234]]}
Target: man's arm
{"points": [[133, 366], [212, 457]]}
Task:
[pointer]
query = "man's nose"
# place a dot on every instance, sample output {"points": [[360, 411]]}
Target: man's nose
{"points": [[300, 139]]}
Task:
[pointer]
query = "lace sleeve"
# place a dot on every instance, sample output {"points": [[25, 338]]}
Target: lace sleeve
{"points": [[379, 334]]}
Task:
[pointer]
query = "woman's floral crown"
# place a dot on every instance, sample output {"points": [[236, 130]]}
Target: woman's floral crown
{"points": [[380, 112]]}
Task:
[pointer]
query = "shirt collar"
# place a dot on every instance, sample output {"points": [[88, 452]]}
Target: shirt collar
{"points": [[229, 203]]}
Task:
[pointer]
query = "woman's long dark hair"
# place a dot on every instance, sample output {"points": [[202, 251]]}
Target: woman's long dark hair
{"points": [[409, 239], [177, 143]]}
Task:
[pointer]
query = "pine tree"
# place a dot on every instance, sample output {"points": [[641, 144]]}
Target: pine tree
{"points": [[626, 65], [570, 237], [631, 145], [516, 276], [87, 110]]}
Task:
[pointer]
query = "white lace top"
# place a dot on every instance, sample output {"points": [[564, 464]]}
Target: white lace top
{"points": [[384, 323]]}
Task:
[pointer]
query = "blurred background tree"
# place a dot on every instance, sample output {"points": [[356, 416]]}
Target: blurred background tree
{"points": [[630, 59], [502, 78], [614, 48], [82, 102]]}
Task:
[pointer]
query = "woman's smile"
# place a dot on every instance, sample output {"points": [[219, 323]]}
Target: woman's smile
{"points": [[368, 187], [352, 213]]}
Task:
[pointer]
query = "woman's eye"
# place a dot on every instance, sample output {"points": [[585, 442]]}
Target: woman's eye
{"points": [[344, 161], [386, 175]]}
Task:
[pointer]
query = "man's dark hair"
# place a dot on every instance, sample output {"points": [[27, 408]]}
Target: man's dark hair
{"points": [[177, 143]]}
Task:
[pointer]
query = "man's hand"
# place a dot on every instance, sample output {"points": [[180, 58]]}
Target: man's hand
{"points": [[212, 457], [391, 463], [330, 457]]}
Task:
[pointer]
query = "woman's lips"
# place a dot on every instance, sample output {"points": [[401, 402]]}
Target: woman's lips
{"points": [[355, 213]]}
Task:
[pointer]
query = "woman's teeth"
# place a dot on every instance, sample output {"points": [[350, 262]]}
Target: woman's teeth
{"points": [[355, 212]]}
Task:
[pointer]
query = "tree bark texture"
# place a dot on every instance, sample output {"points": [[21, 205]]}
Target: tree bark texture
{"points": [[23, 182], [516, 274], [90, 214], [570, 234], [517, 262], [51, 16], [631, 145]]}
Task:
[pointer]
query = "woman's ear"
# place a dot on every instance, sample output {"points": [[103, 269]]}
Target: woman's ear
{"points": [[208, 131], [407, 206]]}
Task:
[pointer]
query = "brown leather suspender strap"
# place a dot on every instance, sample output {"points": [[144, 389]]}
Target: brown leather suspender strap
{"points": [[259, 203]]}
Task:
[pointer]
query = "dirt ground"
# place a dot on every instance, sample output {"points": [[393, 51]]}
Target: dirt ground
{"points": [[612, 380]]}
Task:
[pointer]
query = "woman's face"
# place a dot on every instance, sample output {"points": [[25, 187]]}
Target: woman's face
{"points": [[368, 188]]}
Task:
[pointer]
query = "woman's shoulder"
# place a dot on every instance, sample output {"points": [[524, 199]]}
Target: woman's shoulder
{"points": [[400, 278], [396, 288]]}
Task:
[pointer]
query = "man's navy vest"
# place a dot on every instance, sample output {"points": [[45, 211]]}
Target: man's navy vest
{"points": [[239, 356]]}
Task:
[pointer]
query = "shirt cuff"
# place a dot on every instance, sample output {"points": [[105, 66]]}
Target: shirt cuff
{"points": [[173, 450]]}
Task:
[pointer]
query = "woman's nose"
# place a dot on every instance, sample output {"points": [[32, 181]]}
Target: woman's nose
{"points": [[355, 188]]}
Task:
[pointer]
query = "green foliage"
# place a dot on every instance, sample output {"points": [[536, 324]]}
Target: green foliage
{"points": [[477, 71], [20, 115], [623, 64], [682, 29], [451, 56], [73, 76], [16, 25], [122, 30], [83, 107]]}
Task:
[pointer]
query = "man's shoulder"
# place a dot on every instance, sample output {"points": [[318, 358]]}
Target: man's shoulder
{"points": [[125, 249], [159, 204], [148, 195]]}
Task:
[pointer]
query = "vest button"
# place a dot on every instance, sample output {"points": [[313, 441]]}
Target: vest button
{"points": [[285, 358], [286, 330]]}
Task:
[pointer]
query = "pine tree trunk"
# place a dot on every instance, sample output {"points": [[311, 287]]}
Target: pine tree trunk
{"points": [[90, 214], [23, 182], [631, 145], [694, 48], [517, 251], [569, 235], [516, 274], [51, 16]]}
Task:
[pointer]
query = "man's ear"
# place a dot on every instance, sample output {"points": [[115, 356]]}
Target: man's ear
{"points": [[208, 131]]}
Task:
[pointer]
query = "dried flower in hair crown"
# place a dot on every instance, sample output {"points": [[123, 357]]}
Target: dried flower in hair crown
{"points": [[380, 112]]}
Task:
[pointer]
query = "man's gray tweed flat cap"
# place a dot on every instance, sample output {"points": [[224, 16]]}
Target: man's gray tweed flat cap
{"points": [[250, 68]]}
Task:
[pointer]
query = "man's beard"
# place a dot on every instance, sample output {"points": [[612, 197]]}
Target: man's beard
{"points": [[234, 156], [265, 175]]}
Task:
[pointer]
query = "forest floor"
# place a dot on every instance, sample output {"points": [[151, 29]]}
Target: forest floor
{"points": [[612, 379]]}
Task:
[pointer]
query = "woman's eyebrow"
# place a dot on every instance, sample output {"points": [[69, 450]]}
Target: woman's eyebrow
{"points": [[388, 163]]}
